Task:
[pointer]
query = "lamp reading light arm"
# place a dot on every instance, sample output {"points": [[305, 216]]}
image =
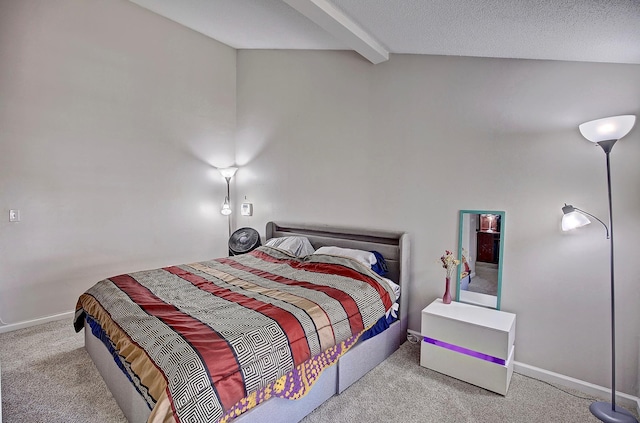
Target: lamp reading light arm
{"points": [[569, 208]]}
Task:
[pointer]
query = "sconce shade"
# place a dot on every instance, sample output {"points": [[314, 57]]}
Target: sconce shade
{"points": [[610, 128], [572, 218], [228, 172]]}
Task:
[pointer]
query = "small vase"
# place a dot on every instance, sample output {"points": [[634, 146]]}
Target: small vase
{"points": [[446, 298]]}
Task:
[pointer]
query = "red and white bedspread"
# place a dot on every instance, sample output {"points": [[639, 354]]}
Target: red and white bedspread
{"points": [[206, 341]]}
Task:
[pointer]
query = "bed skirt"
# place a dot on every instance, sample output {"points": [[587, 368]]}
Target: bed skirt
{"points": [[354, 364]]}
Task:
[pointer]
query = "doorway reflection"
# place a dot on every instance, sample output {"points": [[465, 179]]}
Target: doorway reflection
{"points": [[480, 249]]}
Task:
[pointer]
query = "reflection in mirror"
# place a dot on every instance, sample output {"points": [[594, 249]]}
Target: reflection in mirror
{"points": [[480, 248]]}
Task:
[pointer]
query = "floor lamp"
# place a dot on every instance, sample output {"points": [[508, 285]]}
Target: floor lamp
{"points": [[605, 132], [227, 174]]}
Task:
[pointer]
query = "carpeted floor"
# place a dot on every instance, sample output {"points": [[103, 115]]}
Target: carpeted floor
{"points": [[47, 376]]}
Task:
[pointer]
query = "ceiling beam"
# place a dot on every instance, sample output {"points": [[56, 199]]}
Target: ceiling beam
{"points": [[342, 27]]}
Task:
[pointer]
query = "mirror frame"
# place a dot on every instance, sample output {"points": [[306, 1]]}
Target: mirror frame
{"points": [[500, 252]]}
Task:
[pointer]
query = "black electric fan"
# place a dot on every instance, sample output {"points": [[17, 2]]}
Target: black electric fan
{"points": [[243, 240]]}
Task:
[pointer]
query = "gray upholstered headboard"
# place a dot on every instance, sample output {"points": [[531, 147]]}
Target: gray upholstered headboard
{"points": [[394, 247]]}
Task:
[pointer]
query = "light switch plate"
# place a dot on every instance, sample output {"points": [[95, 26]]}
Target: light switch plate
{"points": [[246, 209], [14, 215]]}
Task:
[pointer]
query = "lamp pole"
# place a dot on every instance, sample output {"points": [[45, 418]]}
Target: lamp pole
{"points": [[607, 146], [228, 179], [602, 410], [227, 174]]}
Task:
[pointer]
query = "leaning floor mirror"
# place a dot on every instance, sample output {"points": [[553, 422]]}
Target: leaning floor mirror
{"points": [[480, 249]]}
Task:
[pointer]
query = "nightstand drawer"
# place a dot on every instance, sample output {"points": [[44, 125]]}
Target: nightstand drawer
{"points": [[485, 374]]}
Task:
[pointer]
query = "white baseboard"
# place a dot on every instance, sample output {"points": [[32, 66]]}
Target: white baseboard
{"points": [[28, 323], [625, 400]]}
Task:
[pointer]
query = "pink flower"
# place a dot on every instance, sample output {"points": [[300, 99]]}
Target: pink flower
{"points": [[449, 262]]}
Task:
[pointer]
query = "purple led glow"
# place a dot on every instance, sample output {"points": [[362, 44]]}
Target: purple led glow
{"points": [[466, 351]]}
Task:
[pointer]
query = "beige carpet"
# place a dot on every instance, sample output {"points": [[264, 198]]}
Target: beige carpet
{"points": [[48, 377]]}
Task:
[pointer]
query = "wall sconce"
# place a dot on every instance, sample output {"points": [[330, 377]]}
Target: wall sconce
{"points": [[604, 132]]}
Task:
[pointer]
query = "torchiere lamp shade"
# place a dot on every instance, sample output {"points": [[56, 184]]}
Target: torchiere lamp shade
{"points": [[610, 128]]}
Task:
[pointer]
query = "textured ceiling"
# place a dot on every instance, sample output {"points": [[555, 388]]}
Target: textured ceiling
{"points": [[583, 30], [575, 30]]}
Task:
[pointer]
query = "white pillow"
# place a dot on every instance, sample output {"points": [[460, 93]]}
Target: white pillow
{"points": [[394, 286], [298, 246], [365, 257]]}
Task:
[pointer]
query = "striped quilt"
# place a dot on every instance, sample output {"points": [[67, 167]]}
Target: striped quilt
{"points": [[204, 342]]}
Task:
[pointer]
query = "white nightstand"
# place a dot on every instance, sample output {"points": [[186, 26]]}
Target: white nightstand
{"points": [[471, 343]]}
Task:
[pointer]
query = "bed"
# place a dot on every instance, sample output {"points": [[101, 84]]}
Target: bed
{"points": [[340, 365]]}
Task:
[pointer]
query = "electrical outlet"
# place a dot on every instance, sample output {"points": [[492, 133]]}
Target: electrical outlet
{"points": [[413, 336], [14, 215]]}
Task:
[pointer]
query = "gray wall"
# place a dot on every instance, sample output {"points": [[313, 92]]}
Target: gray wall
{"points": [[326, 137], [111, 118]]}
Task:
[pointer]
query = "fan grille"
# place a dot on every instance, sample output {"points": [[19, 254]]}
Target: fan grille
{"points": [[243, 241]]}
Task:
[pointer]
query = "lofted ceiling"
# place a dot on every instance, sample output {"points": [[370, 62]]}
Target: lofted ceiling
{"points": [[574, 30]]}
